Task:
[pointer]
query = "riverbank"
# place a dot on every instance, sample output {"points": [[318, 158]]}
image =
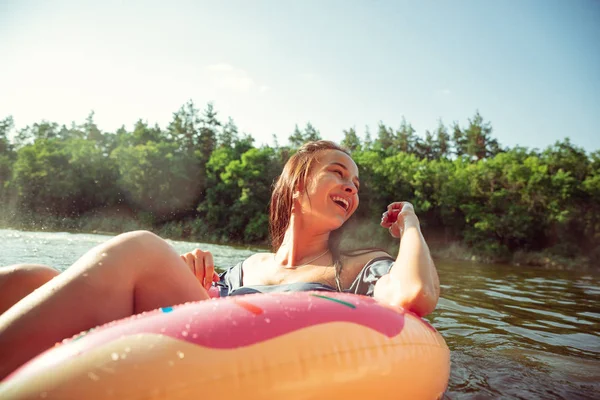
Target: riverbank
{"points": [[370, 235], [457, 251]]}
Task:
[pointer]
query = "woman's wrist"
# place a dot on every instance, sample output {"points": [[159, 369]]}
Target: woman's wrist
{"points": [[410, 220]]}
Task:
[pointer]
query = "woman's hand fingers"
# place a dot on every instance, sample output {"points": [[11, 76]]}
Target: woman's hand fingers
{"points": [[201, 264], [391, 215], [189, 259], [209, 270], [393, 218]]}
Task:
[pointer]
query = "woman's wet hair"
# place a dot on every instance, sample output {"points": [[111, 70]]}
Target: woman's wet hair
{"points": [[293, 177]]}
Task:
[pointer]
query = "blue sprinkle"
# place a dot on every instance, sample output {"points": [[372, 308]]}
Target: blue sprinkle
{"points": [[166, 309]]}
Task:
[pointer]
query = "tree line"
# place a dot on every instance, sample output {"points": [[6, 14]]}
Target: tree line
{"points": [[201, 179]]}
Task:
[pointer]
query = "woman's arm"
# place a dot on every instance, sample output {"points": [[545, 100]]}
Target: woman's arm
{"points": [[413, 282]]}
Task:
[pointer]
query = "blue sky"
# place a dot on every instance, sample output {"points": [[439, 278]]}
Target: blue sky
{"points": [[532, 68]]}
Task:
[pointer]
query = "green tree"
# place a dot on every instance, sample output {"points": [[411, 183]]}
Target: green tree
{"points": [[7, 155], [476, 141], [209, 129], [229, 134], [184, 127], [405, 139], [158, 178], [385, 139], [63, 177], [351, 140], [442, 141], [253, 175], [298, 137]]}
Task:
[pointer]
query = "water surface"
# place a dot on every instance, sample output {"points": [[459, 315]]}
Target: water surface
{"points": [[514, 332]]}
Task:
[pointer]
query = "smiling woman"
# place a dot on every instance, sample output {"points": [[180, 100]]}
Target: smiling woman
{"points": [[135, 272]]}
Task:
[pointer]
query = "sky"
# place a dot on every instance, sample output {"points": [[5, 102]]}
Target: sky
{"points": [[531, 68]]}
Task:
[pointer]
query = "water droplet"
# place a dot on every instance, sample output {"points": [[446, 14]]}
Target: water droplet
{"points": [[103, 254], [171, 363], [43, 395], [127, 349], [123, 356], [180, 354], [86, 274], [114, 356], [267, 320], [195, 335], [184, 333], [234, 322], [187, 326], [163, 329], [93, 376]]}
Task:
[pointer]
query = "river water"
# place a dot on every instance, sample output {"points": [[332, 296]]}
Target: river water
{"points": [[514, 332]]}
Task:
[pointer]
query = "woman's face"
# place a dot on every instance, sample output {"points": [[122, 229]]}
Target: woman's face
{"points": [[331, 190]]}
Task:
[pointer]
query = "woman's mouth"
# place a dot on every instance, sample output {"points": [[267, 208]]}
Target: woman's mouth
{"points": [[342, 202]]}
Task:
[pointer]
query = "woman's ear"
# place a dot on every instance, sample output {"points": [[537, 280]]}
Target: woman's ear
{"points": [[298, 191]]}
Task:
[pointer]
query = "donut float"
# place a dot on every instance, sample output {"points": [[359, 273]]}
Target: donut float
{"points": [[307, 345]]}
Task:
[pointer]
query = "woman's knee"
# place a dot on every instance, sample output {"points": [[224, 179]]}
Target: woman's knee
{"points": [[141, 238], [27, 274], [17, 281], [139, 250]]}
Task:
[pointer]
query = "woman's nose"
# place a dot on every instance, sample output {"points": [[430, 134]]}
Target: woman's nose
{"points": [[350, 188]]}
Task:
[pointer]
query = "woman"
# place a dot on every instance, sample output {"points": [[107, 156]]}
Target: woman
{"points": [[315, 195]]}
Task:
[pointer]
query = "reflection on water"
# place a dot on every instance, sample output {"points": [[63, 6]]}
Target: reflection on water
{"points": [[520, 332], [514, 332]]}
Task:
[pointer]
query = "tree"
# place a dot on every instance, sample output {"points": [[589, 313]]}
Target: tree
{"points": [[368, 142], [476, 141], [184, 127], [63, 177], [442, 141], [298, 137], [311, 133], [6, 127], [351, 140], [229, 134], [42, 130], [7, 153], [427, 148], [142, 134], [385, 139], [158, 178], [91, 129], [209, 127], [405, 139]]}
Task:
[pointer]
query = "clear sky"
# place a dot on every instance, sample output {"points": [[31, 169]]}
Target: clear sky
{"points": [[532, 68]]}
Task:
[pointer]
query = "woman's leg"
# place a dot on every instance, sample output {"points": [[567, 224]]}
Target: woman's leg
{"points": [[17, 281], [129, 274]]}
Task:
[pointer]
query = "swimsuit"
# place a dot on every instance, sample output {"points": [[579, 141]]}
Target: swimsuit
{"points": [[230, 281]]}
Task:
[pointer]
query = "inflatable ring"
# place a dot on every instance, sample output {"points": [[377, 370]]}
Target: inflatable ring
{"points": [[307, 345]]}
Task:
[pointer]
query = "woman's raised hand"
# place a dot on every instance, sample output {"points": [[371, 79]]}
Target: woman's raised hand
{"points": [[397, 216], [202, 266]]}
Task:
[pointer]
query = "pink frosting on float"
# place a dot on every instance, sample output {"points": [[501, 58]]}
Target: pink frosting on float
{"points": [[245, 320], [235, 321]]}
